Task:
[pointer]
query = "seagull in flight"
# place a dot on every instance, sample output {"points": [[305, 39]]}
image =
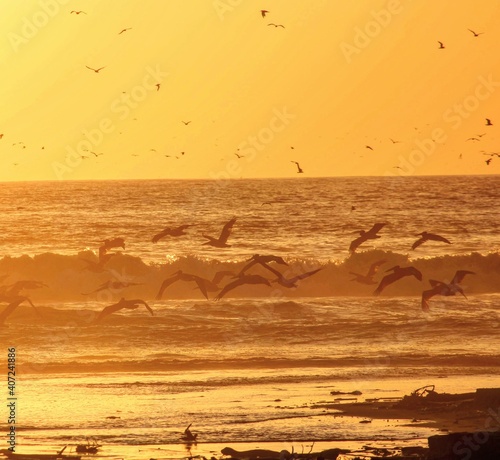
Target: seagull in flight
{"points": [[488, 122], [171, 231], [78, 12], [441, 45], [299, 169], [276, 25], [364, 236], [440, 288], [397, 273], [369, 147], [368, 278], [245, 279], [13, 303], [263, 13], [120, 305], [394, 142], [221, 242], [186, 122], [124, 30], [475, 34], [158, 86], [425, 236], [95, 70], [260, 259]]}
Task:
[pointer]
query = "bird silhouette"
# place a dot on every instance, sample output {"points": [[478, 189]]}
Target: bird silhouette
{"points": [[368, 278], [425, 236], [95, 70], [181, 276], [171, 231], [263, 13], [245, 279], [13, 303], [77, 12], [441, 45], [444, 289], [369, 147], [221, 242], [299, 169], [276, 25], [260, 259], [112, 286], [488, 122], [124, 30], [474, 33], [397, 273], [289, 282], [120, 305], [158, 86], [186, 122], [364, 236]]}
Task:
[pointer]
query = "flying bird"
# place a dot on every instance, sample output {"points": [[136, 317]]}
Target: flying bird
{"points": [[299, 169], [124, 30], [397, 274], [263, 13], [369, 147], [95, 70], [186, 122], [16, 288], [13, 303], [221, 242], [77, 12], [181, 276], [120, 305], [441, 45], [444, 289], [364, 236], [474, 33], [424, 236], [260, 259], [368, 278], [289, 282], [245, 279], [394, 142], [488, 122], [112, 286], [158, 86], [276, 25], [171, 231]]}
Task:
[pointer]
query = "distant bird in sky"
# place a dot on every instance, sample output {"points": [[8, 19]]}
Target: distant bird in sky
{"points": [[397, 274], [261, 259], [171, 231], [158, 86], [425, 236], [369, 147], [121, 304], [289, 282], [263, 13], [95, 70], [441, 45], [299, 169], [221, 242], [276, 25], [186, 122], [445, 289], [77, 12], [488, 122], [473, 139], [368, 278], [239, 156], [364, 236], [245, 279], [181, 276], [124, 30], [488, 161], [474, 33], [394, 142]]}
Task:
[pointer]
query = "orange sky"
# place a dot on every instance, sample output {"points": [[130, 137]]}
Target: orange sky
{"points": [[338, 77]]}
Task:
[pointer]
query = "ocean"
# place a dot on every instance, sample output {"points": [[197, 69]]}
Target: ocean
{"points": [[256, 368]]}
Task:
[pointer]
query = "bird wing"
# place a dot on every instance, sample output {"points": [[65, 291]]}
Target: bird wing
{"points": [[413, 271], [418, 243], [434, 237], [460, 275], [226, 230], [386, 280], [229, 287], [202, 285], [272, 270], [165, 285], [145, 304], [247, 266], [160, 235], [304, 275], [357, 242], [219, 276], [376, 228], [428, 294]]}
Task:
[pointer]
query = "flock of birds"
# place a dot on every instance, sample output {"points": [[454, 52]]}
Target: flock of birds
{"points": [[12, 293]]}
